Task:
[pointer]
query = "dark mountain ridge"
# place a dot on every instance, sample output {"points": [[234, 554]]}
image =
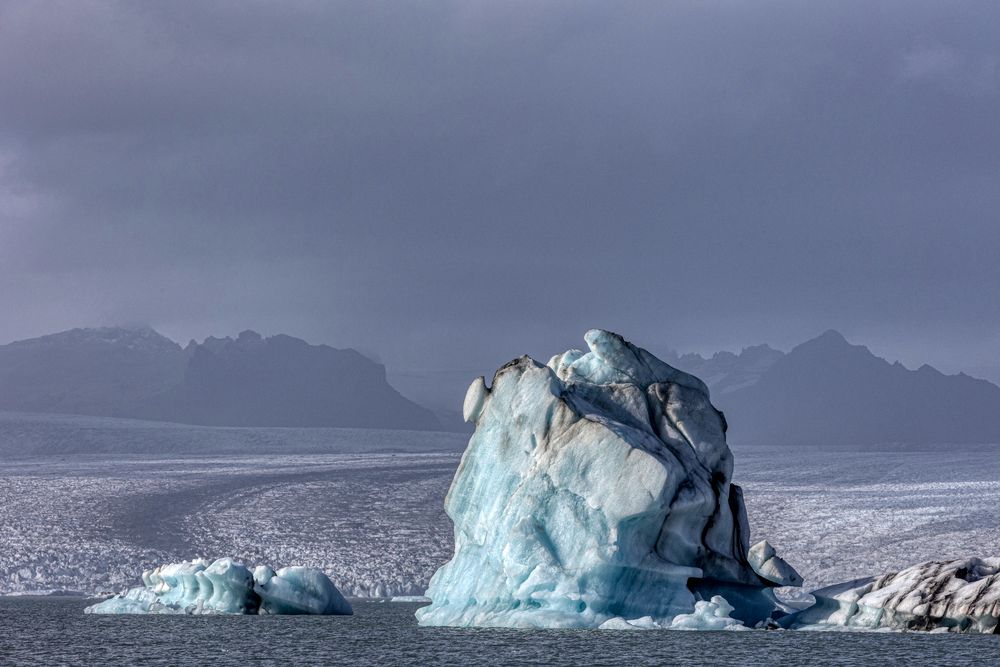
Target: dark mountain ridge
{"points": [[725, 372], [828, 391], [101, 372], [824, 391], [247, 381]]}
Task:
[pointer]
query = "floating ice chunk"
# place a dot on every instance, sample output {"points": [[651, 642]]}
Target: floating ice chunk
{"points": [[619, 623], [135, 601], [711, 614], [770, 566], [410, 598], [227, 587], [297, 590], [957, 596], [167, 589], [596, 487], [708, 615]]}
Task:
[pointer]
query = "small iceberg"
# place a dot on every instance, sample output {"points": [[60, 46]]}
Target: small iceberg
{"points": [[227, 587], [708, 615], [937, 596]]}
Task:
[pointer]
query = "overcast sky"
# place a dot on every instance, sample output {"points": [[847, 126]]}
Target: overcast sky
{"points": [[449, 185]]}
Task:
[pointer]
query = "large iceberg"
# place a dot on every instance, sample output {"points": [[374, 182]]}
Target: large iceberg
{"points": [[227, 587], [597, 487], [957, 596]]}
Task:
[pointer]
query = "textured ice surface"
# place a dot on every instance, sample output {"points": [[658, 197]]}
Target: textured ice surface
{"points": [[959, 596], [297, 590], [227, 587], [841, 513], [375, 522], [766, 562], [597, 486]]}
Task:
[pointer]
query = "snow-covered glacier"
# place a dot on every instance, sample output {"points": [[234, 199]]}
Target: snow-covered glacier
{"points": [[956, 596], [597, 489], [227, 587]]}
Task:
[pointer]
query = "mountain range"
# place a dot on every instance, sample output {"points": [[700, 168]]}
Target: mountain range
{"points": [[824, 391], [246, 381], [828, 391]]}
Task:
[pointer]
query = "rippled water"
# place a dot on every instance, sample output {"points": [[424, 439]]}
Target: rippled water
{"points": [[54, 631]]}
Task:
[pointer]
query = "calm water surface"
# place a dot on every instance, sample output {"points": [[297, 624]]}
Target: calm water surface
{"points": [[54, 631]]}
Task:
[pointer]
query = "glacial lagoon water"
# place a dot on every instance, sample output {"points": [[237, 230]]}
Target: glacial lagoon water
{"points": [[55, 631]]}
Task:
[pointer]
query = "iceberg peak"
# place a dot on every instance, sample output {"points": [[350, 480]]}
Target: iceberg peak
{"points": [[614, 360]]}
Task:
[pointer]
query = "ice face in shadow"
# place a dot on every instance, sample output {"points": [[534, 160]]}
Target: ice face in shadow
{"points": [[956, 596], [227, 587], [297, 590], [595, 487]]}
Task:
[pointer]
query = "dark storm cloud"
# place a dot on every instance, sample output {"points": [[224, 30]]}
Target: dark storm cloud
{"points": [[452, 184]]}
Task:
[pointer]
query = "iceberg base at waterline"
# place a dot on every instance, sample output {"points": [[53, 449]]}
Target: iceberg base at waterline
{"points": [[711, 614], [226, 586]]}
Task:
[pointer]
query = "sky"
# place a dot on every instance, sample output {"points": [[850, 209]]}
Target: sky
{"points": [[448, 185]]}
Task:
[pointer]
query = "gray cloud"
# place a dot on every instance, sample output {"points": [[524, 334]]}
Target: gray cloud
{"points": [[455, 183]]}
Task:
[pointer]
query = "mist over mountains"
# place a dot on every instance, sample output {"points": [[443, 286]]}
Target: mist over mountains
{"points": [[824, 391]]}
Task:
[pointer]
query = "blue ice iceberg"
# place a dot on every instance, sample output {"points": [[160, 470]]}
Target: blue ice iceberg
{"points": [[297, 590], [596, 487], [227, 587]]}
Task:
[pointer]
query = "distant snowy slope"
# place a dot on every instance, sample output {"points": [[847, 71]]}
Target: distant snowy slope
{"points": [[28, 435], [725, 372]]}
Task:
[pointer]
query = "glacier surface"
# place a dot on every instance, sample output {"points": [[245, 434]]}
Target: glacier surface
{"points": [[956, 596], [227, 587], [596, 487]]}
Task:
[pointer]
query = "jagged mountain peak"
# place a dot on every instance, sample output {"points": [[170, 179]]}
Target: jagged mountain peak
{"points": [[832, 335], [249, 336], [249, 380], [831, 339]]}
